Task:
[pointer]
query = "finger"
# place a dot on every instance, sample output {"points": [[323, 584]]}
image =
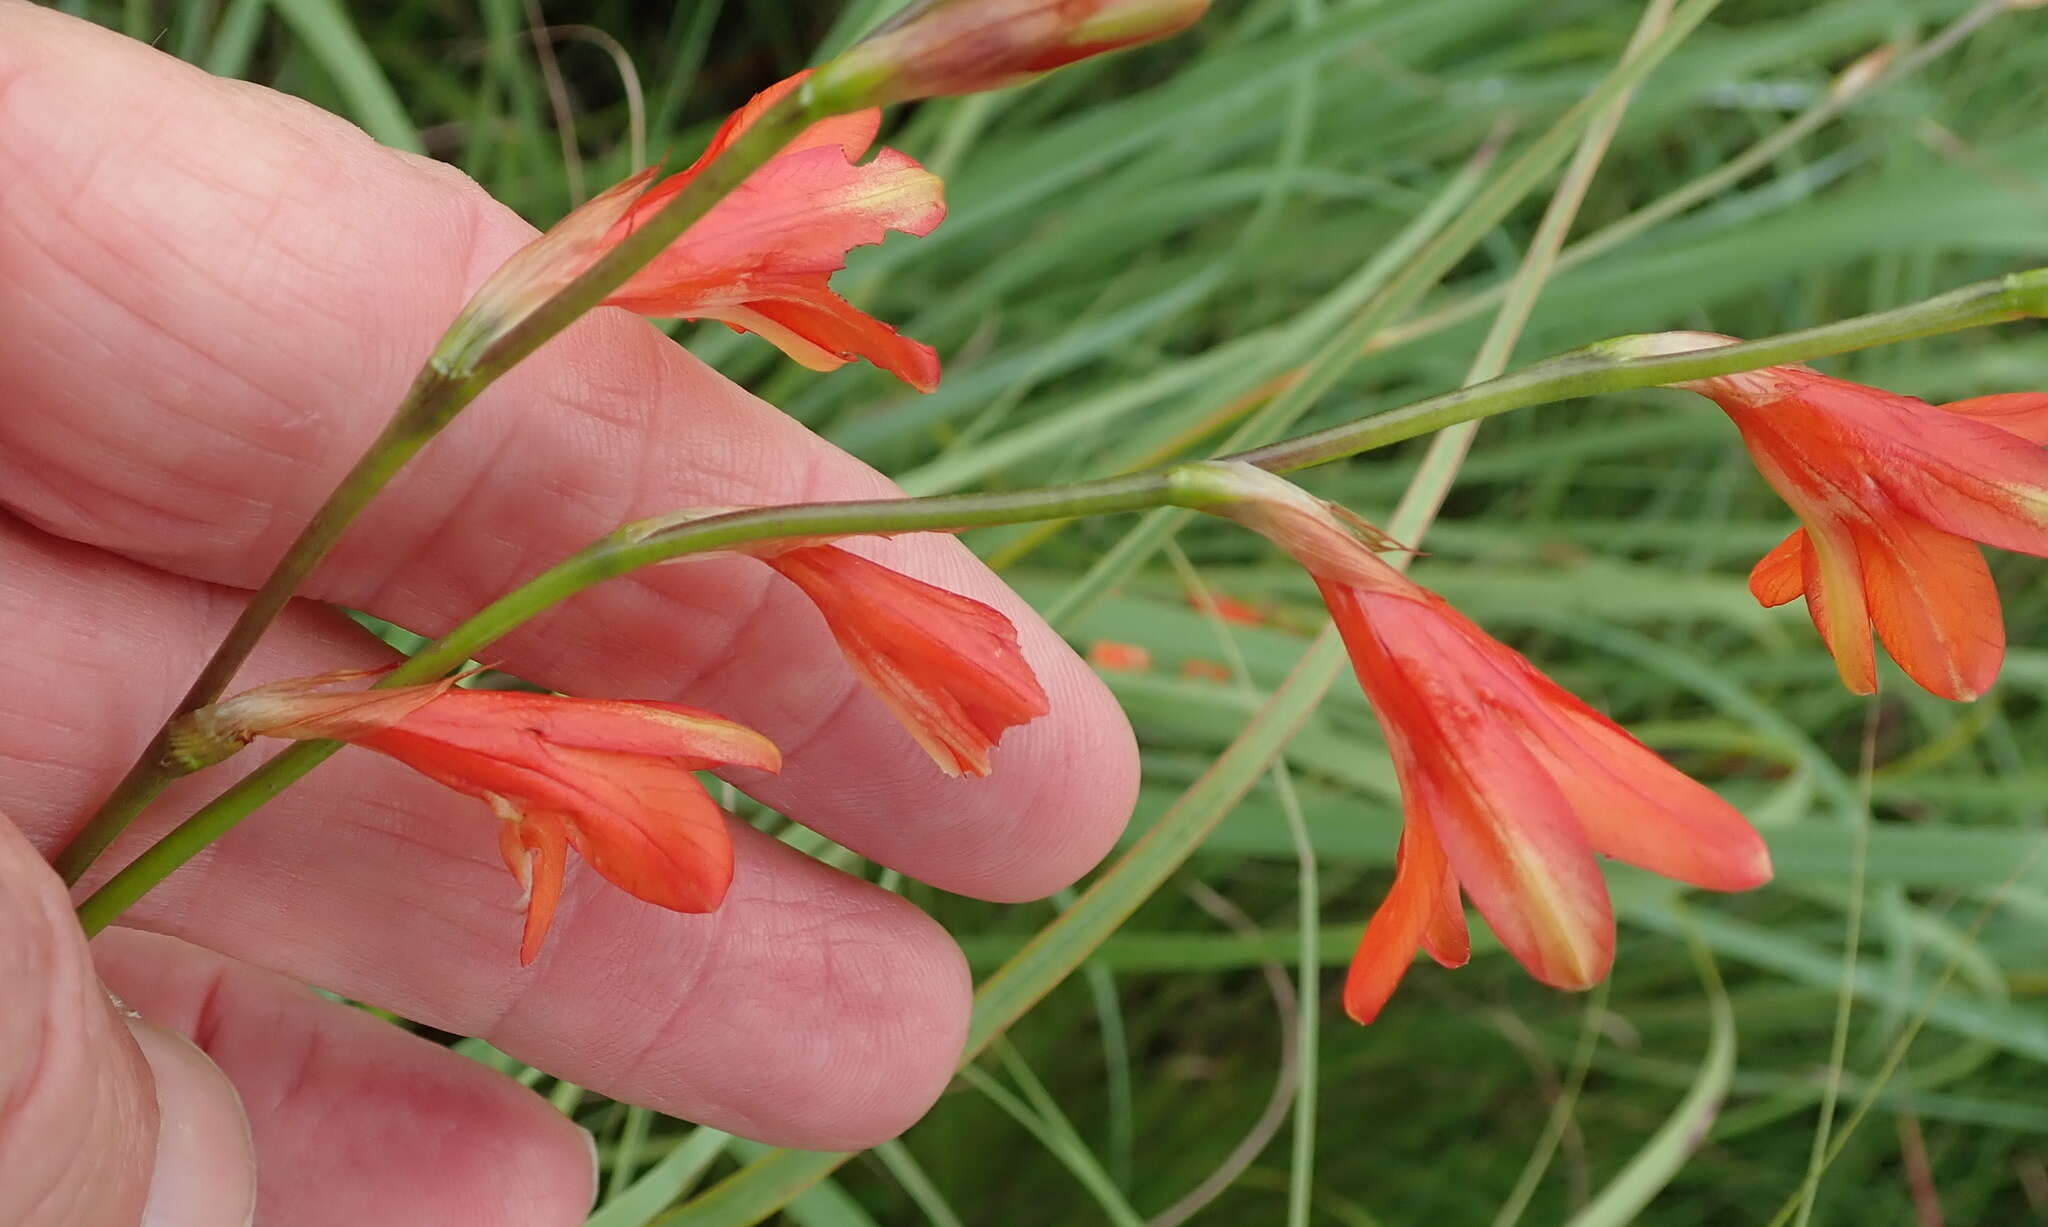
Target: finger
{"points": [[99, 1127], [204, 1169], [355, 1120], [810, 1010], [271, 280]]}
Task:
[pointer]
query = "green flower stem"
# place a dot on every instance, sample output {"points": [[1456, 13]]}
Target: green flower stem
{"points": [[398, 442], [1587, 372], [468, 360], [1583, 373], [482, 355]]}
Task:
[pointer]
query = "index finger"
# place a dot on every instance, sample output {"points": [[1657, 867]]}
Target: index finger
{"points": [[214, 310]]}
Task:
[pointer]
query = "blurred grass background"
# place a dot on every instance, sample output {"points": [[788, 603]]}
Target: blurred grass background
{"points": [[1137, 245]]}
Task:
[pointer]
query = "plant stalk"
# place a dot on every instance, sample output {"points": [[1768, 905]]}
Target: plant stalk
{"points": [[466, 361], [1583, 373]]}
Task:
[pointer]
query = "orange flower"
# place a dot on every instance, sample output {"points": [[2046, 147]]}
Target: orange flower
{"points": [[1892, 492], [1230, 609], [942, 47], [1510, 784], [1115, 656], [946, 665], [762, 259], [611, 778]]}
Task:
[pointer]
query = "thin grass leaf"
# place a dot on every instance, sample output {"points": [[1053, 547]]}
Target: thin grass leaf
{"points": [[330, 35], [1673, 1143]]}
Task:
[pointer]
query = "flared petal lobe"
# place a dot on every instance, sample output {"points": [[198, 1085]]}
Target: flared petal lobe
{"points": [[1405, 918], [536, 850], [1779, 577], [946, 665], [614, 779]]}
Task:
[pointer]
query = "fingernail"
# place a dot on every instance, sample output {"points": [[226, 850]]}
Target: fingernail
{"points": [[205, 1174], [596, 1163]]}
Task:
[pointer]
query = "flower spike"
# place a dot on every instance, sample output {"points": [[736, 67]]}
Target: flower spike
{"points": [[612, 779], [1892, 494], [1509, 784]]}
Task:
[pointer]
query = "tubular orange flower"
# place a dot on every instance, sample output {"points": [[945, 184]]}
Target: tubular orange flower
{"points": [[1509, 783], [1891, 492], [611, 778], [939, 47], [946, 665], [762, 260]]}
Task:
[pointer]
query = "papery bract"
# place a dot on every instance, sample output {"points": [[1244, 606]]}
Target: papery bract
{"points": [[1892, 494], [1509, 783], [761, 260], [946, 665], [610, 778], [938, 47]]}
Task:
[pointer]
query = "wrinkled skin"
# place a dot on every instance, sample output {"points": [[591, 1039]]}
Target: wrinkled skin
{"points": [[210, 295]]}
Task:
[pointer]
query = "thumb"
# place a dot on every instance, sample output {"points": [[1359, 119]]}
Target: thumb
{"points": [[105, 1120]]}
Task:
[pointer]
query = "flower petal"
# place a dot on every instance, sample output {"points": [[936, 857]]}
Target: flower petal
{"points": [[1934, 605], [1836, 602], [1517, 850], [650, 829], [534, 851], [1780, 576], [948, 666], [1412, 907], [1954, 471], [816, 328], [852, 133], [2021, 413], [1507, 829], [1630, 803], [1789, 440], [1445, 938], [645, 823], [507, 720], [778, 238]]}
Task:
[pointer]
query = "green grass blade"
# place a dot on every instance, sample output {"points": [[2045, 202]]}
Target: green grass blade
{"points": [[1666, 1152], [768, 1183], [331, 37], [657, 1188]]}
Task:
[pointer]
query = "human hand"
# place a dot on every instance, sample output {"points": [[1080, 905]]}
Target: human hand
{"points": [[214, 295]]}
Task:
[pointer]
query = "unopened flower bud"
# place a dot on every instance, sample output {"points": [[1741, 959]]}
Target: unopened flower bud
{"points": [[939, 47]]}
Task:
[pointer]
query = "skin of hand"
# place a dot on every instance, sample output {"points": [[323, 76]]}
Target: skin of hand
{"points": [[211, 295]]}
